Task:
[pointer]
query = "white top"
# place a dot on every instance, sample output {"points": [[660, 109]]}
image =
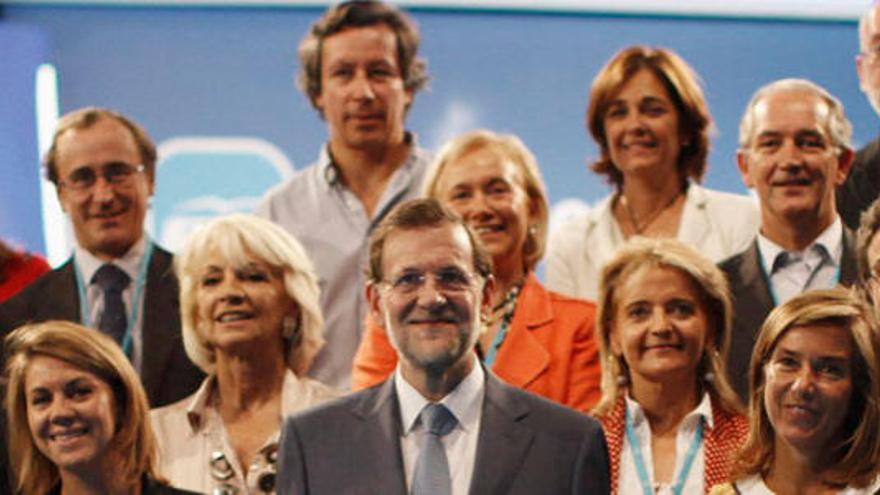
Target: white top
{"points": [[816, 267], [330, 222], [754, 485], [465, 402], [717, 224], [130, 263], [190, 431], [628, 482]]}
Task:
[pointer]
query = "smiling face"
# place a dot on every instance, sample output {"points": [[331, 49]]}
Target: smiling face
{"points": [[71, 414], [659, 327], [363, 98], [242, 307], [790, 160], [488, 191], [431, 298], [808, 385], [107, 219], [642, 128]]}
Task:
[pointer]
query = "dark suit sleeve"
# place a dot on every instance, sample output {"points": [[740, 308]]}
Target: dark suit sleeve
{"points": [[291, 464], [592, 473]]}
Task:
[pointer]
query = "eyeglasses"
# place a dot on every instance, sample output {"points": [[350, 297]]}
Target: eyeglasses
{"points": [[116, 173], [447, 280]]}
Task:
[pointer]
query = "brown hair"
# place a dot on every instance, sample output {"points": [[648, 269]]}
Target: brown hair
{"points": [[133, 444], [419, 214], [89, 116], [857, 455], [683, 86], [355, 14], [715, 298], [512, 148]]}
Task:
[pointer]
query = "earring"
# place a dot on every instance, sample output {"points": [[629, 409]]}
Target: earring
{"points": [[289, 326]]}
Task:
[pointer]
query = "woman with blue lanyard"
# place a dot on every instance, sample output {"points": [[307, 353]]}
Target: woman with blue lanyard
{"points": [[671, 419], [534, 339], [814, 417]]}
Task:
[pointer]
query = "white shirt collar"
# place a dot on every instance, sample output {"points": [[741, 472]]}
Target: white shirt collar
{"points": [[465, 401], [831, 239], [202, 401], [88, 263], [703, 410]]}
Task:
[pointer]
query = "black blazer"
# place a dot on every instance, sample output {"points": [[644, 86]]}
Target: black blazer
{"points": [[752, 302], [526, 445], [167, 373], [148, 487], [862, 185]]}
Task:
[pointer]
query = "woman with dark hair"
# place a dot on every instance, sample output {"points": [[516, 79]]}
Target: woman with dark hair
{"points": [[78, 415], [651, 122]]}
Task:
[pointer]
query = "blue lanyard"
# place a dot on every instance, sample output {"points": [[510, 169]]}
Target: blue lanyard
{"points": [[139, 285], [773, 296], [489, 360], [635, 446]]}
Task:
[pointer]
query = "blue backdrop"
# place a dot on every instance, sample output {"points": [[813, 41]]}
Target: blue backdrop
{"points": [[186, 71]]}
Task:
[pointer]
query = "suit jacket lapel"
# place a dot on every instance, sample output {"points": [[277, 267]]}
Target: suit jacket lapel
{"points": [[848, 265], [159, 330], [380, 437], [502, 442], [62, 296], [755, 294], [522, 358]]}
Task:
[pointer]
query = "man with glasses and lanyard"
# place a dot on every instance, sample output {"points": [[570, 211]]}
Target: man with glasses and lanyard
{"points": [[794, 151], [117, 281], [862, 186]]}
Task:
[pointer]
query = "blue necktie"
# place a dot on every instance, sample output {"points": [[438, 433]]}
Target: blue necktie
{"points": [[432, 468], [112, 280]]}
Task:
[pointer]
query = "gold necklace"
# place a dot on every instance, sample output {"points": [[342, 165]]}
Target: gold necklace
{"points": [[631, 216]]}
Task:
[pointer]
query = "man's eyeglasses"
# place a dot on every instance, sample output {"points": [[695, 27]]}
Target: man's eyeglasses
{"points": [[116, 173], [447, 280]]}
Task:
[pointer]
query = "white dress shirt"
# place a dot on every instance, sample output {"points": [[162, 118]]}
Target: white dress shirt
{"points": [[794, 272], [629, 483], [465, 402], [754, 485], [130, 263]]}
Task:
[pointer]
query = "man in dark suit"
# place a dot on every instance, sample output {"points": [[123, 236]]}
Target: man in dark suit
{"points": [[794, 151], [442, 424], [862, 186], [103, 168]]}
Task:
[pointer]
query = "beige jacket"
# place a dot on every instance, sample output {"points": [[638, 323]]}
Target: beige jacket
{"points": [[190, 433]]}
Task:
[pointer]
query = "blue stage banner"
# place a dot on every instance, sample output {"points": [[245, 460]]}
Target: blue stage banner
{"points": [[22, 50]]}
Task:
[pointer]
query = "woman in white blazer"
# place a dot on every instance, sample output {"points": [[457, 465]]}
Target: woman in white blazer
{"points": [[651, 122]]}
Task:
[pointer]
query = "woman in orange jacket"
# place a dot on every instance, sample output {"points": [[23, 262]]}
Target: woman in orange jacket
{"points": [[534, 339]]}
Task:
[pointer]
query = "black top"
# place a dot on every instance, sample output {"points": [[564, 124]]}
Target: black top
{"points": [[862, 186], [148, 487]]}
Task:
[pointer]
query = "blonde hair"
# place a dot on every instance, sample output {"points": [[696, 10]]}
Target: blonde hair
{"points": [[858, 453], [133, 444], [714, 296], [239, 238], [513, 149], [683, 86]]}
